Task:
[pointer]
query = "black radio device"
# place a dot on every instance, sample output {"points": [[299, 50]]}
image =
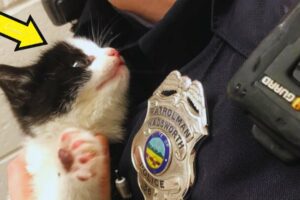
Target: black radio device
{"points": [[268, 88]]}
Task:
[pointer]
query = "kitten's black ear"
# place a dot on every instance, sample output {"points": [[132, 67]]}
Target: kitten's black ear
{"points": [[16, 84]]}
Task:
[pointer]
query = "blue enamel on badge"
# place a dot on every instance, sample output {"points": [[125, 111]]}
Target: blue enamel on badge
{"points": [[157, 153]]}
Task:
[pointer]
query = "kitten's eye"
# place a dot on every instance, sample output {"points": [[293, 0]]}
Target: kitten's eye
{"points": [[84, 63], [79, 64]]}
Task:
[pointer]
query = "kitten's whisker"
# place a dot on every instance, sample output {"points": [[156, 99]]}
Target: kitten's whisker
{"points": [[108, 43], [104, 33], [108, 28], [92, 28], [98, 34]]}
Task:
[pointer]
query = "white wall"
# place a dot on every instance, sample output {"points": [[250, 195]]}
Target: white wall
{"points": [[11, 136]]}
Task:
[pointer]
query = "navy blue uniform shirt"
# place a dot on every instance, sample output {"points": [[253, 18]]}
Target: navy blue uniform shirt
{"points": [[208, 41]]}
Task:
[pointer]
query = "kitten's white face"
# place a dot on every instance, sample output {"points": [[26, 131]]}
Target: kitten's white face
{"points": [[109, 75], [101, 101], [74, 84], [108, 67]]}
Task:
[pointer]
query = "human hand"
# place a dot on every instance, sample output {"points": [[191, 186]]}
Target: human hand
{"points": [[151, 10], [19, 179]]}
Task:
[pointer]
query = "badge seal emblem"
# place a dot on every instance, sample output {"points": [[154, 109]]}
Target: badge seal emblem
{"points": [[163, 149]]}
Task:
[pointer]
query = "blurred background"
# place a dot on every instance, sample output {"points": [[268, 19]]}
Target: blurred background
{"points": [[11, 136]]}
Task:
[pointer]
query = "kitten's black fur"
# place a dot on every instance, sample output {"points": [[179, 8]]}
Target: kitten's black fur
{"points": [[45, 89]]}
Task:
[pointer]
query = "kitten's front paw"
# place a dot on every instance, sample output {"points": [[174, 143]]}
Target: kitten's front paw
{"points": [[79, 154]]}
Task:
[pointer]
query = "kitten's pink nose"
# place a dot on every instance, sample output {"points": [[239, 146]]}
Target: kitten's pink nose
{"points": [[112, 52]]}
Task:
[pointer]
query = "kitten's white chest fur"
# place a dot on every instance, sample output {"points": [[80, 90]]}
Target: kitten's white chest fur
{"points": [[99, 107]]}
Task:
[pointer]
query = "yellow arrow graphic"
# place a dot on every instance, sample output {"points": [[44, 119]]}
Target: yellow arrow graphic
{"points": [[27, 35]]}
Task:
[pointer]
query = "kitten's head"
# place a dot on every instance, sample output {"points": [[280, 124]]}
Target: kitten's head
{"points": [[75, 83]]}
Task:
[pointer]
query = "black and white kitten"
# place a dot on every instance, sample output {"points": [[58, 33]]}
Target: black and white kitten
{"points": [[73, 92]]}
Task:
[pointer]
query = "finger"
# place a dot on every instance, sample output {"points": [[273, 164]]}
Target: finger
{"points": [[18, 179], [104, 176]]}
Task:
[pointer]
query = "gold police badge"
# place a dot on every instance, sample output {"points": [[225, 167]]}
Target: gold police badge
{"points": [[163, 150]]}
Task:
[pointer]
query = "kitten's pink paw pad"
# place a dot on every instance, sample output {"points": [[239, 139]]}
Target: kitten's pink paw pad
{"points": [[79, 154], [67, 135], [87, 157], [77, 144], [66, 158], [84, 176]]}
